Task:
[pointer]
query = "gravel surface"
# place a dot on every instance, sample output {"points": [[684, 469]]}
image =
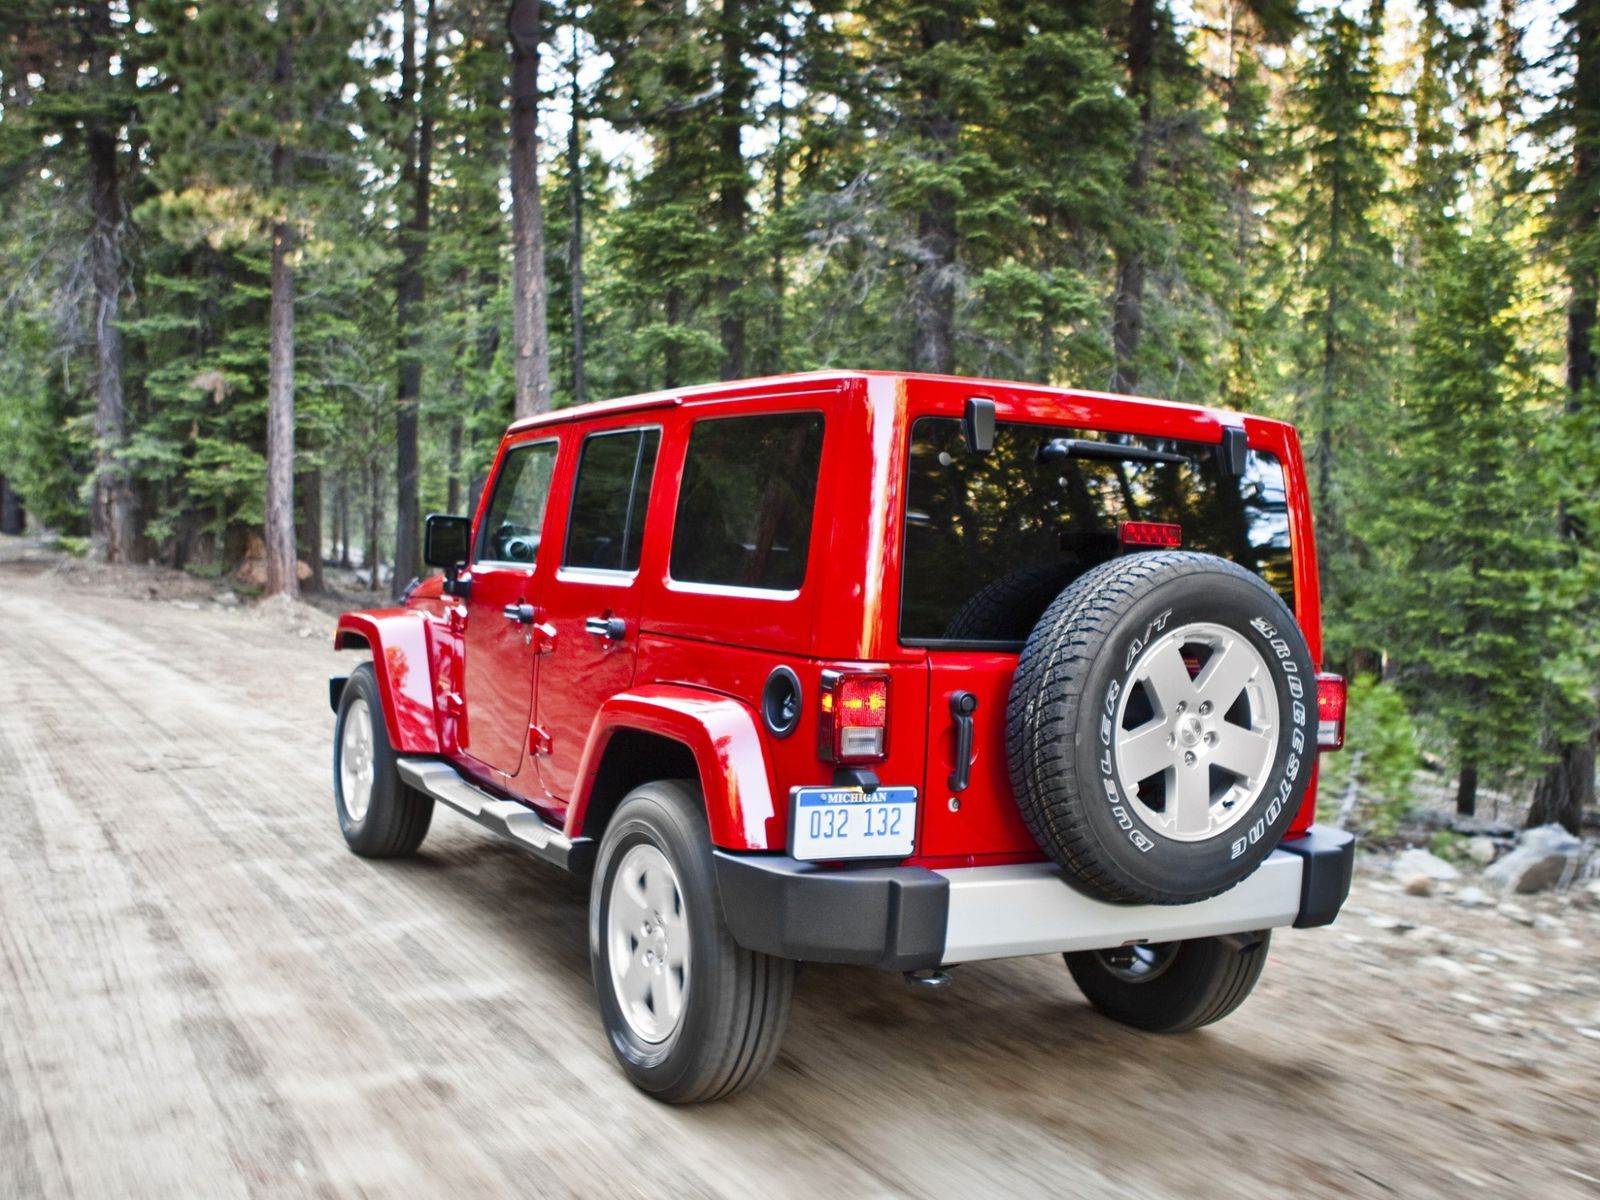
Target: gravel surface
{"points": [[203, 994]]}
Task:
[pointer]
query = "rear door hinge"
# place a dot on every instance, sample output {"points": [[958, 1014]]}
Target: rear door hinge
{"points": [[538, 741]]}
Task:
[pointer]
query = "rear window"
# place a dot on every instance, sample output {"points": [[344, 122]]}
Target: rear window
{"points": [[744, 512], [991, 539], [606, 529]]}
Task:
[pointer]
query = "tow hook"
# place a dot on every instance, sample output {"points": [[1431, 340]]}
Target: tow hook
{"points": [[926, 980]]}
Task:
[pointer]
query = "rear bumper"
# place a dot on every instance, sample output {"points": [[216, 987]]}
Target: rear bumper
{"points": [[909, 918]]}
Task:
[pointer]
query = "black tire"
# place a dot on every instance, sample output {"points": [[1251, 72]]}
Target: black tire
{"points": [[1084, 658], [735, 1001], [1174, 987], [397, 815], [1006, 609]]}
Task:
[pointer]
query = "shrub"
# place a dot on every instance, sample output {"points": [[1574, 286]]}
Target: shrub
{"points": [[1380, 758]]}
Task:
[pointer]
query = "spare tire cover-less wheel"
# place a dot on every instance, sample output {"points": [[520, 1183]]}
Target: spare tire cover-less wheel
{"points": [[1159, 731]]}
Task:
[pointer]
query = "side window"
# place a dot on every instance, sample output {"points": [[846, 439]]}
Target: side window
{"points": [[749, 489], [606, 531], [516, 510]]}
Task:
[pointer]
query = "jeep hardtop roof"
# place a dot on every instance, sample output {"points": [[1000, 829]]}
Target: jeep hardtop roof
{"points": [[813, 380]]}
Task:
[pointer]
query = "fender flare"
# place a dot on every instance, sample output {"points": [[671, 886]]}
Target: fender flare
{"points": [[724, 737], [398, 638]]}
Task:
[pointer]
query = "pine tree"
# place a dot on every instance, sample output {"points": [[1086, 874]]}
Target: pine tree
{"points": [[1468, 564], [247, 140], [81, 55], [1568, 786], [1341, 290]]}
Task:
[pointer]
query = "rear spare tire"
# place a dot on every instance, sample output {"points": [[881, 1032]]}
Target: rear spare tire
{"points": [[1159, 730]]}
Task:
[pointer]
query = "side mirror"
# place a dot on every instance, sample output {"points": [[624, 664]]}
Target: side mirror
{"points": [[446, 542]]}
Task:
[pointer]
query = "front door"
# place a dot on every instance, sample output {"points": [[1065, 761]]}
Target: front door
{"points": [[503, 617], [593, 603]]}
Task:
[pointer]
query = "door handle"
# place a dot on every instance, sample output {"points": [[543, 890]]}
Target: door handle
{"points": [[522, 614], [962, 706], [607, 627]]}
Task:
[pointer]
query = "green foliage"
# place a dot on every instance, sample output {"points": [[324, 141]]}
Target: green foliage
{"points": [[1380, 759], [1341, 289]]}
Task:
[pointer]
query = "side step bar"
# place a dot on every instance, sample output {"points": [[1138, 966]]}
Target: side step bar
{"points": [[512, 820]]}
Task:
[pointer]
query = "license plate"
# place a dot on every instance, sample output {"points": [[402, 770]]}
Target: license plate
{"points": [[850, 823]]}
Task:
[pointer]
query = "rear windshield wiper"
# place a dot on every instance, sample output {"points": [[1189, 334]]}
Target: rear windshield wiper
{"points": [[1057, 449]]}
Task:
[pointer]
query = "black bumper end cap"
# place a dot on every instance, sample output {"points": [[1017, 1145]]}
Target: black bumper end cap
{"points": [[892, 918], [1328, 859]]}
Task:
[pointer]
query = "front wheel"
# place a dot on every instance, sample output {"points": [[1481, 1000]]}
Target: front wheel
{"points": [[1171, 987], [690, 1014], [379, 815]]}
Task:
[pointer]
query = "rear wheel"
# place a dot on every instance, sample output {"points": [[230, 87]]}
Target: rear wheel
{"points": [[690, 1014], [379, 815], [1171, 987]]}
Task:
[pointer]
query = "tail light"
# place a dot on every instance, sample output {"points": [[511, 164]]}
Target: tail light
{"points": [[854, 727], [1332, 694]]}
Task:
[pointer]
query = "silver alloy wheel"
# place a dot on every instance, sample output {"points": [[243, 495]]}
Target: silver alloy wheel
{"points": [[647, 941], [355, 760], [1189, 732]]}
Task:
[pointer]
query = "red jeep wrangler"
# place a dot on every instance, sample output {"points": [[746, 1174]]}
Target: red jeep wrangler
{"points": [[894, 670]]}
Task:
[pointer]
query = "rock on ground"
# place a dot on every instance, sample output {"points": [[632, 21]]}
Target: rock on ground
{"points": [[1544, 858], [1409, 864]]}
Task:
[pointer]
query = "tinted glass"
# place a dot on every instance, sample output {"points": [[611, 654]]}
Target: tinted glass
{"points": [[516, 510], [744, 513], [606, 531], [992, 539]]}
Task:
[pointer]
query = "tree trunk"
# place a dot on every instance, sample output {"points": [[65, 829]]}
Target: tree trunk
{"points": [[12, 518], [282, 576], [733, 185], [780, 165], [374, 523], [453, 487], [674, 311], [111, 517], [343, 503], [1467, 791], [529, 330], [934, 285], [1567, 787], [580, 386], [1127, 316], [417, 172], [308, 529]]}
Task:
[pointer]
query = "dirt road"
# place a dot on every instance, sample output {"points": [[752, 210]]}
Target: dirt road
{"points": [[203, 994]]}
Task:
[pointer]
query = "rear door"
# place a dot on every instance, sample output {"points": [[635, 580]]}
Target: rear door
{"points": [[501, 650], [991, 539], [592, 604]]}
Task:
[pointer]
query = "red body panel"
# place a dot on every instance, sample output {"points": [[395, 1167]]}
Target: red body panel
{"points": [[400, 660], [695, 657], [724, 738]]}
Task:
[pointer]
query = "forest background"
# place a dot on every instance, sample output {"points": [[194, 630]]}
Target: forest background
{"points": [[275, 274]]}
